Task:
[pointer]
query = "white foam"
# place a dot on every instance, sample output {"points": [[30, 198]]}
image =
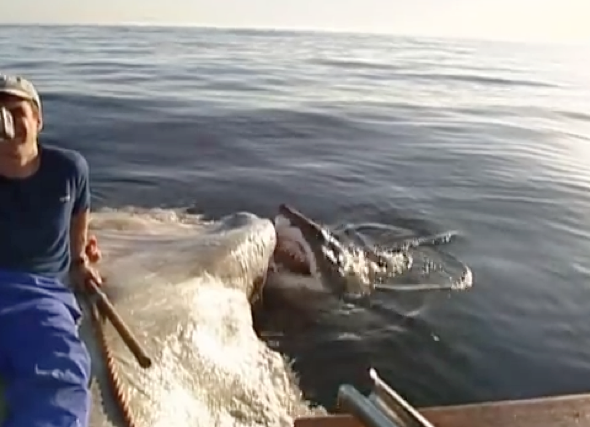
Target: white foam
{"points": [[181, 285]]}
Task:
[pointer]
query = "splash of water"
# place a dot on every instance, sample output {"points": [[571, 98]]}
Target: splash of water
{"points": [[368, 266], [183, 284]]}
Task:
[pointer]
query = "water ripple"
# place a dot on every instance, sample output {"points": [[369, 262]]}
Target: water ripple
{"points": [[487, 138]]}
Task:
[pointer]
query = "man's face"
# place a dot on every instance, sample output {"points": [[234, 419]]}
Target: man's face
{"points": [[27, 122]]}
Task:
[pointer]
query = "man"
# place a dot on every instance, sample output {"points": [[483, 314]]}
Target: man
{"points": [[44, 216]]}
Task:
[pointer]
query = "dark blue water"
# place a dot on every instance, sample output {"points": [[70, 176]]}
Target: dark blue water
{"points": [[492, 140]]}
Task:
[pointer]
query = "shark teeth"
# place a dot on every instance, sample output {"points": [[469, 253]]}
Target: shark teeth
{"points": [[288, 250], [291, 244]]}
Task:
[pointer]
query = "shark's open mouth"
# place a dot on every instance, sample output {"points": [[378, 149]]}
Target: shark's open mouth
{"points": [[292, 252], [306, 248]]}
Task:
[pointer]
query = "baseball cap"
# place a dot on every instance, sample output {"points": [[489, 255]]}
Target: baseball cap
{"points": [[19, 87]]}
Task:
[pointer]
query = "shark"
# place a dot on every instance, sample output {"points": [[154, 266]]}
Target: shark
{"points": [[318, 261], [186, 288]]}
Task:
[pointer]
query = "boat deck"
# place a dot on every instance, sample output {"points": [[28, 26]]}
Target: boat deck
{"points": [[563, 411]]}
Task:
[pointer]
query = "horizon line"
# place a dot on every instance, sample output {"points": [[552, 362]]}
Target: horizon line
{"points": [[297, 30]]}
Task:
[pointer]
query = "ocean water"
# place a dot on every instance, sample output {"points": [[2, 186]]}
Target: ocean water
{"points": [[423, 136]]}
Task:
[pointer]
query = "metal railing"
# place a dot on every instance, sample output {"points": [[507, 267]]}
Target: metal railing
{"points": [[382, 408]]}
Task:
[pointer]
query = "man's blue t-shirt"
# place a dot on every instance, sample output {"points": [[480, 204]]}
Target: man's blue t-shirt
{"points": [[35, 213]]}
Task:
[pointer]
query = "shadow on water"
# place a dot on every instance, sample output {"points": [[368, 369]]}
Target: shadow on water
{"points": [[334, 346], [314, 345]]}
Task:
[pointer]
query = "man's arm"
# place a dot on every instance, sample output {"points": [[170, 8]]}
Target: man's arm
{"points": [[80, 213], [79, 236]]}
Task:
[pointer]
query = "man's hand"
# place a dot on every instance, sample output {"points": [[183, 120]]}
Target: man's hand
{"points": [[92, 251], [82, 273], [83, 270]]}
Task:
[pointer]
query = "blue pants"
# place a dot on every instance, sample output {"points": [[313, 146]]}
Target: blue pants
{"points": [[44, 365]]}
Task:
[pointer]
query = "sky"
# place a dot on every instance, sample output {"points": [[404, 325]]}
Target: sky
{"points": [[529, 20]]}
